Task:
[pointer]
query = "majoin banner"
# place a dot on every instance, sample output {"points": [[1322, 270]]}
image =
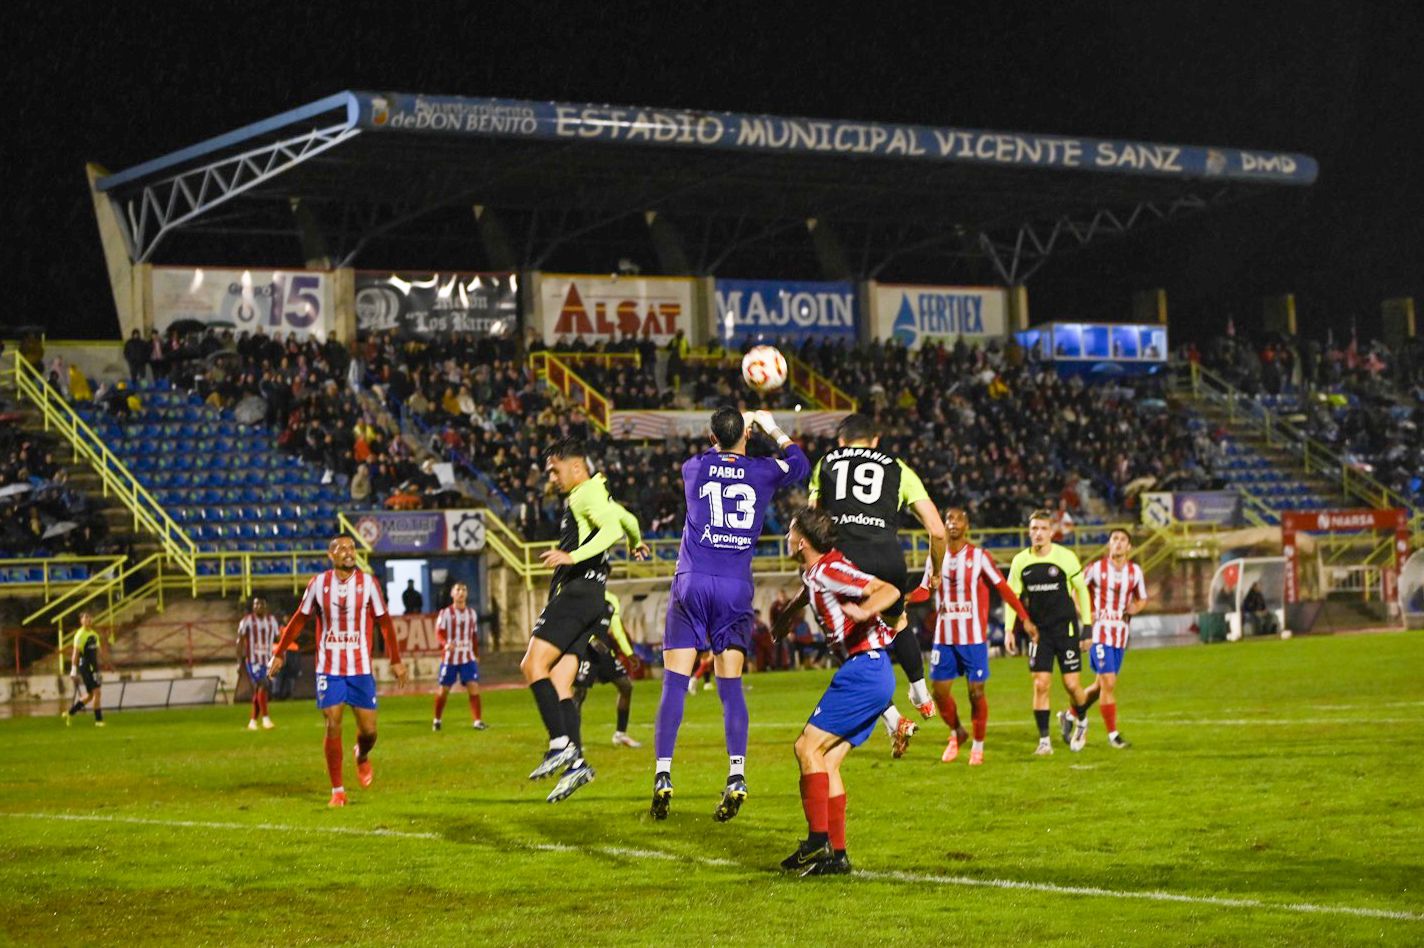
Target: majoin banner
{"points": [[604, 308], [924, 315], [431, 304], [278, 302], [766, 310], [423, 531]]}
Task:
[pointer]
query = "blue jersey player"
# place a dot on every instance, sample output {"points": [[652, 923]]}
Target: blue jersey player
{"points": [[710, 606]]}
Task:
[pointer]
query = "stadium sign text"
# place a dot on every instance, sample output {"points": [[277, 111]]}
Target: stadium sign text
{"points": [[767, 309], [418, 305], [924, 315], [602, 309]]}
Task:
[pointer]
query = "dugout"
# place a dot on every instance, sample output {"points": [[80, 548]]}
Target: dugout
{"points": [[1411, 591], [1233, 582]]}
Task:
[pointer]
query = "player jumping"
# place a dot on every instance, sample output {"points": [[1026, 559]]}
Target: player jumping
{"points": [[256, 634], [1119, 593], [460, 654], [609, 658]]}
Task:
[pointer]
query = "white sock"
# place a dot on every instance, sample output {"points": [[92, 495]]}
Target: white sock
{"points": [[558, 743], [338, 789], [736, 766], [919, 692], [978, 745], [436, 721], [663, 766], [890, 717], [1044, 740], [1112, 734]]}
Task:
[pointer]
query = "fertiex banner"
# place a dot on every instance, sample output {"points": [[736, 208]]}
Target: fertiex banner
{"points": [[419, 305], [769, 309], [605, 308], [423, 531], [459, 117], [924, 315], [278, 302]]}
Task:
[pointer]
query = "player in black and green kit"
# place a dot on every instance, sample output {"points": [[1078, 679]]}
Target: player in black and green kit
{"points": [[1049, 581], [84, 667], [593, 522], [864, 489], [609, 658]]}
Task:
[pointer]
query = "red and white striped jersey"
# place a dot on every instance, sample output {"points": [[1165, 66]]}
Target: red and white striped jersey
{"points": [[346, 613], [1113, 591], [261, 635], [962, 616], [832, 581], [457, 628]]}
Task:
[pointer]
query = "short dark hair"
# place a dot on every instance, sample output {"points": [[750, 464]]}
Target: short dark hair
{"points": [[857, 427], [571, 447], [1122, 530], [817, 526], [727, 426]]}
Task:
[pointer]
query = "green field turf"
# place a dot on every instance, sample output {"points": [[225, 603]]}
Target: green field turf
{"points": [[1273, 796]]}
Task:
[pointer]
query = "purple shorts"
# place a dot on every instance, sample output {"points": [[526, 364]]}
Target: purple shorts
{"points": [[709, 612]]}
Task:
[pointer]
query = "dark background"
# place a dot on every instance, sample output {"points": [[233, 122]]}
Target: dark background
{"points": [[121, 83]]}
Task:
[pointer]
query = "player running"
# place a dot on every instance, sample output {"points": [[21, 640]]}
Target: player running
{"points": [[1049, 580], [84, 669], [848, 605], [710, 606], [456, 628], [608, 660], [961, 645], [1119, 592], [347, 604], [256, 634], [592, 523], [864, 489]]}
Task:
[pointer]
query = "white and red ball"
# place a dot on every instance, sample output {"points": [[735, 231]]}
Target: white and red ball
{"points": [[764, 368]]}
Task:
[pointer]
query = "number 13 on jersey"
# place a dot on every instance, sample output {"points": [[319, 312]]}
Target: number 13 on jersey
{"points": [[730, 505]]}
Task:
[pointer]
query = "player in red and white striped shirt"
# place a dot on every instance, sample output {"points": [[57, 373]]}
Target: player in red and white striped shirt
{"points": [[1119, 592], [961, 625], [348, 606], [458, 629], [256, 635]]}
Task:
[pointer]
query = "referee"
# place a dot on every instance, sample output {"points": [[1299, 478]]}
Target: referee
{"points": [[1049, 580], [84, 668]]}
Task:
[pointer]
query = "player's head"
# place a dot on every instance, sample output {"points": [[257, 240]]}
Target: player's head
{"points": [[85, 620], [259, 606], [1040, 528], [856, 428], [1119, 543], [459, 595], [342, 552], [956, 523], [812, 533], [567, 464], [729, 430]]}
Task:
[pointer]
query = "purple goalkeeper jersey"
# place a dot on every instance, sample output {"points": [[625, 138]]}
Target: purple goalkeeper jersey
{"points": [[727, 498]]}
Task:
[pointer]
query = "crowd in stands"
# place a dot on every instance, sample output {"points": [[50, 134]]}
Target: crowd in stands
{"points": [[41, 514]]}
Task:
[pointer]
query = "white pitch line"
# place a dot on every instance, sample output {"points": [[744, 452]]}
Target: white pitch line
{"points": [[874, 875]]}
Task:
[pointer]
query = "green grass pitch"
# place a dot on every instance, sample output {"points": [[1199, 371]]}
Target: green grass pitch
{"points": [[1274, 795]]}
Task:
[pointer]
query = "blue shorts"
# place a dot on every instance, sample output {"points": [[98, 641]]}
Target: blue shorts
{"points": [[467, 672], [709, 613], [359, 691], [859, 693], [948, 662], [256, 672], [1106, 659]]}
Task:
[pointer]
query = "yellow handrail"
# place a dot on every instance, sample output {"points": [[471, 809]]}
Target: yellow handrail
{"points": [[561, 375], [113, 565], [113, 473], [47, 584], [816, 388]]}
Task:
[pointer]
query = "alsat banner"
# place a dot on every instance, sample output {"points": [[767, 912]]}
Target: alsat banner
{"points": [[766, 310], [605, 308], [423, 305], [924, 315], [276, 302]]}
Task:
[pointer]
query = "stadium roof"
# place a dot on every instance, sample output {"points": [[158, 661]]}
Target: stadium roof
{"points": [[392, 180]]}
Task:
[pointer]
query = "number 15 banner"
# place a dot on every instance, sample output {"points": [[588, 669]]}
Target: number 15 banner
{"points": [[277, 302]]}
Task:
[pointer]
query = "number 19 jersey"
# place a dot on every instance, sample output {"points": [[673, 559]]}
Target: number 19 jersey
{"points": [[727, 498]]}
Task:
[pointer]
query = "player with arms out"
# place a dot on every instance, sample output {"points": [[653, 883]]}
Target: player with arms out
{"points": [[1049, 580], [608, 660], [84, 669], [456, 628], [1119, 592], [347, 605], [847, 604], [592, 523], [710, 605], [256, 635], [961, 619], [864, 489]]}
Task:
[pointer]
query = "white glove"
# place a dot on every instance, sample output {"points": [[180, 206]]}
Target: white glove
{"points": [[765, 422]]}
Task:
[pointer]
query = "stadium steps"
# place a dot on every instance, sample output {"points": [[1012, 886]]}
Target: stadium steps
{"points": [[1325, 490]]}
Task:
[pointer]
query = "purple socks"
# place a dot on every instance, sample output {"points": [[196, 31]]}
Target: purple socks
{"points": [[669, 715], [734, 715]]}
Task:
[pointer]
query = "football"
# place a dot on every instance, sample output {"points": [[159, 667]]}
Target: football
{"points": [[764, 368]]}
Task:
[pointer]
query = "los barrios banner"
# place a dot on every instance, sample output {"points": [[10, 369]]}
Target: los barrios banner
{"points": [[606, 308], [277, 302], [454, 116], [422, 305], [766, 310], [924, 315]]}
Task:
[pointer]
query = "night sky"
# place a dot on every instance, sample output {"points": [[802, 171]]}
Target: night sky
{"points": [[120, 83]]}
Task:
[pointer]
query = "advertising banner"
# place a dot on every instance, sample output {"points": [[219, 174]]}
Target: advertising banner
{"points": [[417, 636], [421, 305], [924, 315], [766, 310], [423, 531], [693, 424], [1345, 521], [1161, 509], [278, 302], [604, 308]]}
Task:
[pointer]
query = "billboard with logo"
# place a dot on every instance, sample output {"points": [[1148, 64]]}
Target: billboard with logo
{"points": [[766, 310], [423, 531], [924, 315], [418, 305], [278, 302], [604, 308]]}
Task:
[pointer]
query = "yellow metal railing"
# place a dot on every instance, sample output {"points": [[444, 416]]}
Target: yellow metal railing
{"points": [[816, 388], [561, 376], [49, 584], [115, 476]]}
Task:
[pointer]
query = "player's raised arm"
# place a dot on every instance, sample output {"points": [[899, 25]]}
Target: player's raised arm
{"points": [[914, 496], [593, 504], [797, 466]]}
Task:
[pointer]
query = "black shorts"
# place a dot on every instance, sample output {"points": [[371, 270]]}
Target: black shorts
{"points": [[1056, 641], [883, 563], [88, 674], [575, 612], [599, 667]]}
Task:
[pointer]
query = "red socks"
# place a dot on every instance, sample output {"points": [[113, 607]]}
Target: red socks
{"points": [[980, 711], [332, 747], [440, 705], [475, 707], [256, 705], [948, 710], [815, 788], [835, 807], [1109, 716]]}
